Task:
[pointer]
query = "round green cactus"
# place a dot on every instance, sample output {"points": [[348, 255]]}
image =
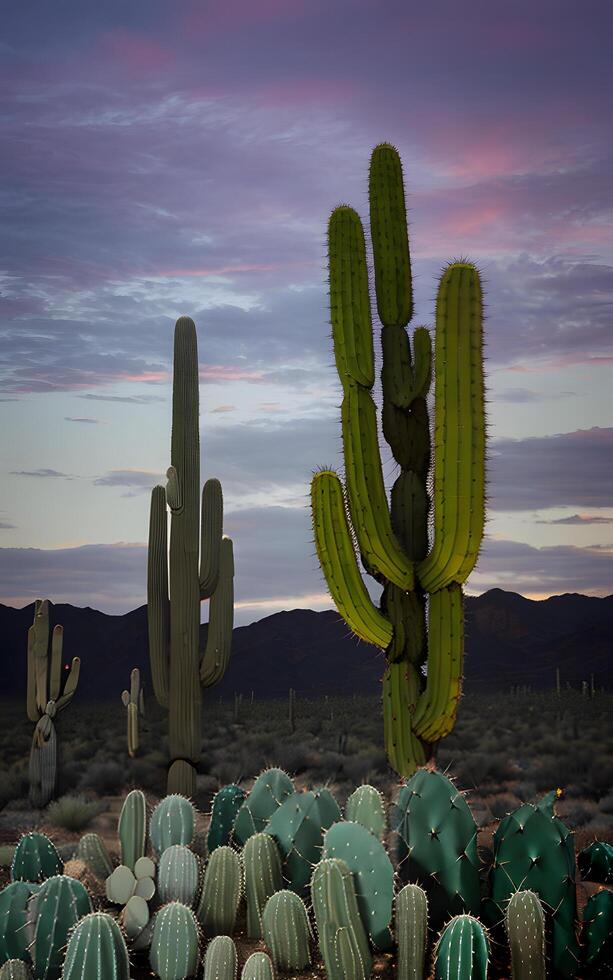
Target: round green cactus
{"points": [[172, 822], [96, 950], [35, 859], [221, 892], [175, 944], [286, 929]]}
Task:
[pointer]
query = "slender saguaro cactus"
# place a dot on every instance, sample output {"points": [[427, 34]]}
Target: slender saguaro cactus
{"points": [[176, 584], [392, 540], [134, 702], [47, 693]]}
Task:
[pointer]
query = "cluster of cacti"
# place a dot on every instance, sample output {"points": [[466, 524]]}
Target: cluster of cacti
{"points": [[134, 703], [177, 909], [49, 690], [392, 539], [177, 583]]}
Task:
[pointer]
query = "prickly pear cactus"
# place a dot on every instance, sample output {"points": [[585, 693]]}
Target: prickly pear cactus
{"points": [[367, 859], [534, 850], [14, 940], [525, 926], [172, 822], [220, 959], [267, 794], [221, 892], [175, 945], [96, 950], [226, 804], [35, 859], [298, 827], [595, 862], [178, 875], [462, 952], [92, 851], [436, 845], [133, 828], [411, 932], [257, 967], [365, 806], [339, 923], [286, 929], [263, 877], [52, 912], [598, 935]]}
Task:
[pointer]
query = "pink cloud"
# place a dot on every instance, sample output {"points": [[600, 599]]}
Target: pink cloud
{"points": [[224, 372], [136, 53]]}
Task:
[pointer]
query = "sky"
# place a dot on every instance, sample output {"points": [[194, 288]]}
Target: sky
{"points": [[163, 159]]}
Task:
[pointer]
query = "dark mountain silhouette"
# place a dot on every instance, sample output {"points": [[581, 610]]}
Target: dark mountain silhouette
{"points": [[510, 640]]}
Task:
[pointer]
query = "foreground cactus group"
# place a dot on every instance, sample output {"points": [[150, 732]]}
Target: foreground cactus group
{"points": [[314, 882], [392, 538]]}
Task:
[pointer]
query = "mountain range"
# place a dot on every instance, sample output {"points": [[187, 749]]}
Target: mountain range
{"points": [[510, 640]]}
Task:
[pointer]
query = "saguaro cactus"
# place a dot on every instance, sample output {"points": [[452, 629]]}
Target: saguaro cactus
{"points": [[133, 700], [49, 690], [178, 667], [392, 540]]}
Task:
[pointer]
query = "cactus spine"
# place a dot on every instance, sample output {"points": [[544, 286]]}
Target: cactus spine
{"points": [[133, 701], [411, 932], [393, 541], [525, 926], [47, 694], [176, 587]]}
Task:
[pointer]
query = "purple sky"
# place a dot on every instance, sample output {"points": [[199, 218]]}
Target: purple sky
{"points": [[162, 159]]}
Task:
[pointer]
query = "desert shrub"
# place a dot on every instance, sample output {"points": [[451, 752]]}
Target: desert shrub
{"points": [[104, 777], [526, 792], [13, 786], [483, 768], [72, 812], [578, 814], [295, 759], [6, 855], [605, 804], [501, 805]]}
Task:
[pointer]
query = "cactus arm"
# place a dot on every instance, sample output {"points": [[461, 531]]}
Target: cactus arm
{"points": [[437, 706], [158, 606], [338, 561], [459, 458], [31, 703], [221, 620], [349, 299], [211, 524], [70, 685], [389, 236], [55, 674], [41, 642]]}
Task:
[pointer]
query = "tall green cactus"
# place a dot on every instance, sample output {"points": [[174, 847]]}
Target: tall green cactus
{"points": [[392, 541], [178, 667], [133, 701], [47, 693]]}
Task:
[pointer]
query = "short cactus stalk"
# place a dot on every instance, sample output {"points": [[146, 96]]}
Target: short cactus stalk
{"points": [[50, 688], [221, 892], [342, 937], [462, 952], [392, 537], [175, 944], [263, 877], [92, 851], [286, 930], [525, 926], [257, 967], [96, 950], [133, 701], [15, 970], [176, 584], [52, 913], [172, 822], [220, 959], [411, 932], [133, 828]]}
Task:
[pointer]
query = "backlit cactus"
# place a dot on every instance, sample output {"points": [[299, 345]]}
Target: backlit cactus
{"points": [[50, 688], [286, 930], [263, 877], [220, 959], [175, 944], [134, 705], [221, 892], [176, 584], [436, 844], [411, 922], [462, 952], [525, 927], [96, 950], [367, 859], [298, 827], [52, 912], [172, 822], [340, 929], [392, 540], [35, 858]]}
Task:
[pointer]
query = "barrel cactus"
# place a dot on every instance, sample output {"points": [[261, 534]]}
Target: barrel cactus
{"points": [[172, 822], [392, 538], [220, 959], [176, 585], [411, 932], [49, 691], [175, 944], [462, 951], [286, 930], [91, 849], [15, 970], [525, 926], [258, 966], [96, 950], [221, 892]]}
